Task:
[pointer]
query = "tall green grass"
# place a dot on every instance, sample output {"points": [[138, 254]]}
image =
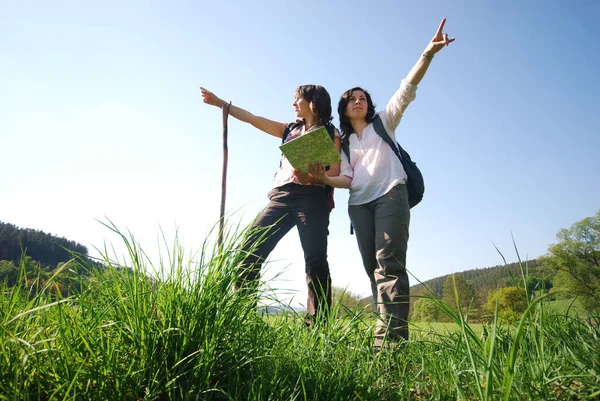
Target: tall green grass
{"points": [[178, 331]]}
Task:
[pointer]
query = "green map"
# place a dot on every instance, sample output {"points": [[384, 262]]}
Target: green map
{"points": [[311, 147]]}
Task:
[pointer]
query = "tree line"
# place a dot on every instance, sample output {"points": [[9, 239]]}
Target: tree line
{"points": [[31, 257], [46, 249], [570, 270]]}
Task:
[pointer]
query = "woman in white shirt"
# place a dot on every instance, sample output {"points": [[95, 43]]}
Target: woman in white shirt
{"points": [[378, 204]]}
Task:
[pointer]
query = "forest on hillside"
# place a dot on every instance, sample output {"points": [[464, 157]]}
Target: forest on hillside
{"points": [[488, 278], [32, 257], [569, 271], [477, 289], [46, 249]]}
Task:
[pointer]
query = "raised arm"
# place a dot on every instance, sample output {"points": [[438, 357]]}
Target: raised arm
{"points": [[440, 40], [269, 126]]}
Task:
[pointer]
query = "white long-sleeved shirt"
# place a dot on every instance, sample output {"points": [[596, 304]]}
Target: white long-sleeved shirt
{"points": [[374, 167]]}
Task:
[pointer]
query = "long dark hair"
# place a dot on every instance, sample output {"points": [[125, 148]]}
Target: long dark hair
{"points": [[345, 125], [320, 102]]}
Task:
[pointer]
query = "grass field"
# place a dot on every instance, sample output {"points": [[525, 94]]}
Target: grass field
{"points": [[441, 328], [567, 306], [185, 335]]}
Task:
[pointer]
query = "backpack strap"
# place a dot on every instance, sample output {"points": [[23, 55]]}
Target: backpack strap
{"points": [[329, 190], [380, 130], [289, 128], [346, 148], [286, 132], [398, 150], [331, 130]]}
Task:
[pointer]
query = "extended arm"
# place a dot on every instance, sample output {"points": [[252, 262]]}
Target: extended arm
{"points": [[318, 174], [440, 40], [341, 181], [269, 126]]}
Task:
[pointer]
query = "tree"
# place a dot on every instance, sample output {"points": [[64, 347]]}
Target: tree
{"points": [[426, 310], [576, 261], [510, 302], [464, 289], [347, 299], [8, 272]]}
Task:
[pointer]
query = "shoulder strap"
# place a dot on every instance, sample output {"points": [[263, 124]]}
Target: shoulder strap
{"points": [[331, 130], [289, 128], [380, 130], [346, 148], [397, 148]]}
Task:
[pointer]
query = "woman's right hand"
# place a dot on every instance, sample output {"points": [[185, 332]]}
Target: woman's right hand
{"points": [[269, 126], [439, 41], [210, 98]]}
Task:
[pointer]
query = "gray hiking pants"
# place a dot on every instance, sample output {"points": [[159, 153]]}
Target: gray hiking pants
{"points": [[381, 228]]}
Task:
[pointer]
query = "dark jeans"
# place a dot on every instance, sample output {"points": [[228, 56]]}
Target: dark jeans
{"points": [[381, 228], [307, 208]]}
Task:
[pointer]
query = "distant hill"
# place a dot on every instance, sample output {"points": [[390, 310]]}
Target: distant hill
{"points": [[47, 249], [486, 278]]}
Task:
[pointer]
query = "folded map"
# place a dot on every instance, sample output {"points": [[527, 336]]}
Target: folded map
{"points": [[311, 147]]}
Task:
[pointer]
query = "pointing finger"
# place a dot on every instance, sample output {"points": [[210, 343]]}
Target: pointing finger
{"points": [[439, 31]]}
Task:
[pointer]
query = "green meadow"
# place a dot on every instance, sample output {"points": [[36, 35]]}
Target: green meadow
{"points": [[176, 330]]}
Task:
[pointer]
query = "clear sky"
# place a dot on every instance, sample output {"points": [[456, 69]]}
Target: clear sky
{"points": [[101, 117]]}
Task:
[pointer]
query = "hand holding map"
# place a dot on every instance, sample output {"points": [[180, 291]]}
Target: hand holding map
{"points": [[314, 146]]}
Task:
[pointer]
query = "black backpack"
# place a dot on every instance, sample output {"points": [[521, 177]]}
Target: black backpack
{"points": [[414, 183], [331, 130]]}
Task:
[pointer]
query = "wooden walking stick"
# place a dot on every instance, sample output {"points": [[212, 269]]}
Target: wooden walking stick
{"points": [[223, 177]]}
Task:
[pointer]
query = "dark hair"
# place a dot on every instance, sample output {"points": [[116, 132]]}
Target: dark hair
{"points": [[320, 101], [345, 125]]}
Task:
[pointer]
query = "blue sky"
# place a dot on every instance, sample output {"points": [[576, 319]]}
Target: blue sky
{"points": [[101, 117]]}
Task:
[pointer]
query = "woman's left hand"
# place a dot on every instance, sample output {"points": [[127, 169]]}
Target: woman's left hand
{"points": [[439, 40]]}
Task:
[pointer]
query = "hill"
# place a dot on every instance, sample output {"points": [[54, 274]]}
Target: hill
{"points": [[487, 278], [46, 249]]}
